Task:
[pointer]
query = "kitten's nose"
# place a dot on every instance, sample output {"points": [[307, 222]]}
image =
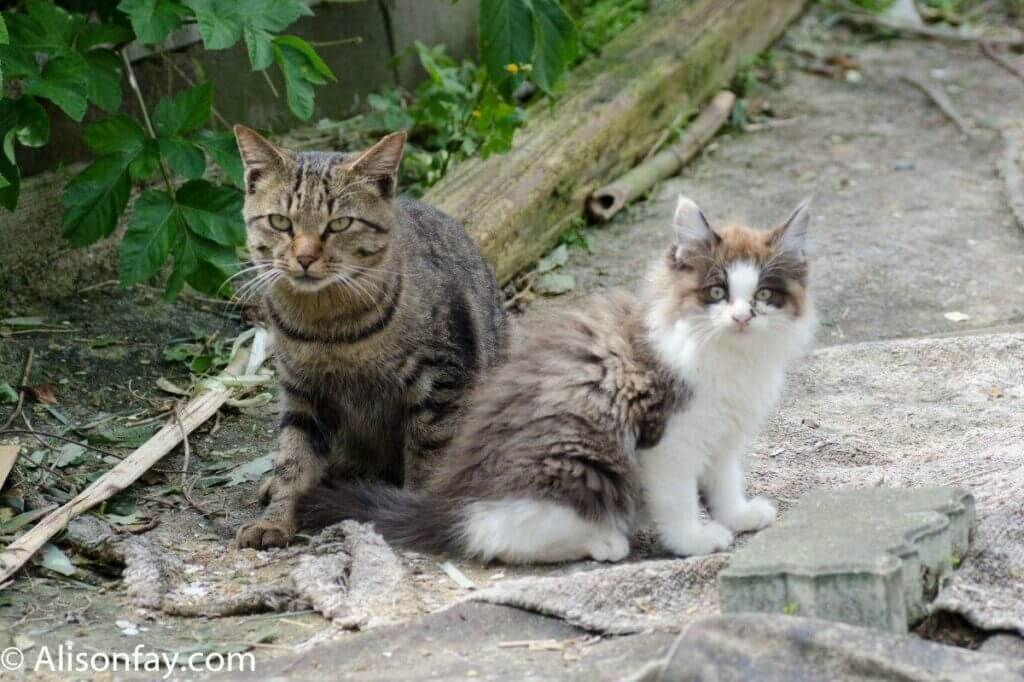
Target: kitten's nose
{"points": [[305, 260], [743, 319]]}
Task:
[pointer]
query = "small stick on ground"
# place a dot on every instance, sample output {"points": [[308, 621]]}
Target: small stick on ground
{"points": [[1009, 170], [942, 102], [186, 486], [21, 391], [122, 475], [607, 201], [990, 51]]}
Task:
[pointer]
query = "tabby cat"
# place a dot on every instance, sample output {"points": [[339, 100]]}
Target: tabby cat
{"points": [[633, 402], [382, 313]]}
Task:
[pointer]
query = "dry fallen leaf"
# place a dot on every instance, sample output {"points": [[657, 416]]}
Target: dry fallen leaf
{"points": [[994, 393], [43, 393]]}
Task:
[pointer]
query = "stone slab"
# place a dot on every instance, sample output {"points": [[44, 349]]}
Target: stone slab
{"points": [[772, 648], [866, 557]]}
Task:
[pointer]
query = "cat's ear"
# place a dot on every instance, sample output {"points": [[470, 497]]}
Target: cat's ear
{"points": [[381, 161], [260, 156], [791, 236], [689, 226]]}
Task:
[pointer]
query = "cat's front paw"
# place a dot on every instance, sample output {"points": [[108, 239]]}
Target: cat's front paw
{"points": [[264, 533], [756, 514], [697, 540]]}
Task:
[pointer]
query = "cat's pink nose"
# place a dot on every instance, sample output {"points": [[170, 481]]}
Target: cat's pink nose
{"points": [[305, 260], [743, 319]]}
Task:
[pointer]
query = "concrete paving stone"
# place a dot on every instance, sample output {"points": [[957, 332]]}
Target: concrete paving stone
{"points": [[870, 557]]}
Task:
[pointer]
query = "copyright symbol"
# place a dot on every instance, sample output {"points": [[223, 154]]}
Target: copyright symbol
{"points": [[12, 658]]}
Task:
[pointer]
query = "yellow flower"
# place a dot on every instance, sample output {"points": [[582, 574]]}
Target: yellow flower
{"points": [[512, 68], [476, 113]]}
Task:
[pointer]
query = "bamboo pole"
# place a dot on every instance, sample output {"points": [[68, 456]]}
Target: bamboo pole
{"points": [[127, 471], [607, 201]]}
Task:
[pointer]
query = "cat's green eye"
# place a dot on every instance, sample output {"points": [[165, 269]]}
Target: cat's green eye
{"points": [[716, 293], [340, 224], [279, 222], [763, 295]]}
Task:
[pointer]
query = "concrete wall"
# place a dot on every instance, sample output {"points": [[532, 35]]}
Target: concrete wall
{"points": [[383, 58]]}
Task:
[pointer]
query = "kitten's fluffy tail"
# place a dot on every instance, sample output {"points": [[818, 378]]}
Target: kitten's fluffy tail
{"points": [[405, 518]]}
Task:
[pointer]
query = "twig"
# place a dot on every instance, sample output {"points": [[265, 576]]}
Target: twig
{"points": [[122, 475], [134, 84], [856, 17], [186, 487], [21, 391], [273, 88], [607, 201], [990, 51], [1009, 170], [34, 432], [941, 101]]}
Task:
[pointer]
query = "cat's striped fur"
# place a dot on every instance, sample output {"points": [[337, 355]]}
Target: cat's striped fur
{"points": [[383, 314]]}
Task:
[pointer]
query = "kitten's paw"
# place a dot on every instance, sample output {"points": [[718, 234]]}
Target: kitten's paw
{"points": [[613, 546], [266, 491], [697, 540], [756, 514], [264, 533]]}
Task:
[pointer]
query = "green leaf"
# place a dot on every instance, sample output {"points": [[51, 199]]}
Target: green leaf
{"points": [[27, 119], [298, 89], [117, 134], [185, 112], [213, 212], [220, 22], [223, 149], [7, 393], [155, 222], [203, 264], [506, 37], [183, 157], [104, 79], [10, 173], [273, 15], [55, 21], [4, 36], [153, 20], [147, 163], [17, 62], [93, 35], [260, 45], [312, 58], [64, 83], [555, 41], [95, 199]]}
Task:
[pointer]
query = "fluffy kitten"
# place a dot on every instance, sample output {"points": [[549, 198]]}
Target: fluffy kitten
{"points": [[630, 402], [382, 312]]}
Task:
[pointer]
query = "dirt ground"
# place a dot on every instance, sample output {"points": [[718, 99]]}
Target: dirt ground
{"points": [[912, 236]]}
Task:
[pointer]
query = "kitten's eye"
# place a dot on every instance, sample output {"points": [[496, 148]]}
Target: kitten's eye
{"points": [[716, 293], [279, 222], [763, 295], [340, 224]]}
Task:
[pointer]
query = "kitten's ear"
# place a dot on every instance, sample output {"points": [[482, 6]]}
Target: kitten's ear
{"points": [[260, 156], [792, 235], [381, 161], [689, 226]]}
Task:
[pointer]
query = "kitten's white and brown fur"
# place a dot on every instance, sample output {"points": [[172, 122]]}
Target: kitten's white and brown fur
{"points": [[632, 402]]}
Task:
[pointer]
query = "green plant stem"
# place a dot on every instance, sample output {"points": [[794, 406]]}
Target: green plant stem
{"points": [[354, 40], [134, 84], [270, 83]]}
